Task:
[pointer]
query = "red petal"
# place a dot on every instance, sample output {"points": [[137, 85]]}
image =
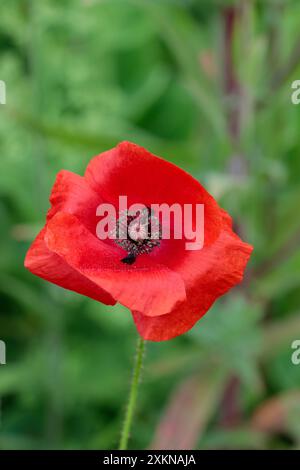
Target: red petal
{"points": [[132, 171], [208, 274], [144, 286], [49, 266], [72, 194]]}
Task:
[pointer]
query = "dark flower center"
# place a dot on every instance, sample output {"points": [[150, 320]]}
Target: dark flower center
{"points": [[137, 234]]}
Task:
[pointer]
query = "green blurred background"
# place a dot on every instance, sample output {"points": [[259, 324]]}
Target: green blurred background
{"points": [[207, 85]]}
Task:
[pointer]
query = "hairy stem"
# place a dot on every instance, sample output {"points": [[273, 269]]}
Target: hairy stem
{"points": [[125, 433]]}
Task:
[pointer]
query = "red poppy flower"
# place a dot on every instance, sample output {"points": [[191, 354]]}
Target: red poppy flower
{"points": [[167, 287]]}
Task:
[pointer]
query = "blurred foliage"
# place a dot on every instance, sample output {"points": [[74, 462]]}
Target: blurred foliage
{"points": [[83, 75]]}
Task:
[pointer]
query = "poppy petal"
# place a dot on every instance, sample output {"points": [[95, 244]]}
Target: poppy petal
{"points": [[221, 268], [72, 194], [130, 170], [49, 266], [144, 286]]}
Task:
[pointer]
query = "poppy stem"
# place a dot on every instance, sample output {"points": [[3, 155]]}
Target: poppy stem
{"points": [[132, 394]]}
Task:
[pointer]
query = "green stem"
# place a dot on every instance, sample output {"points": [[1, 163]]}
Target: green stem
{"points": [[132, 394]]}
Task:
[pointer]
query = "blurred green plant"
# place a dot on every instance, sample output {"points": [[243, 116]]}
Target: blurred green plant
{"points": [[206, 85]]}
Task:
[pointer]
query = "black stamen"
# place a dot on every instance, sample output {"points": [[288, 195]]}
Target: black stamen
{"points": [[133, 246], [129, 259]]}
